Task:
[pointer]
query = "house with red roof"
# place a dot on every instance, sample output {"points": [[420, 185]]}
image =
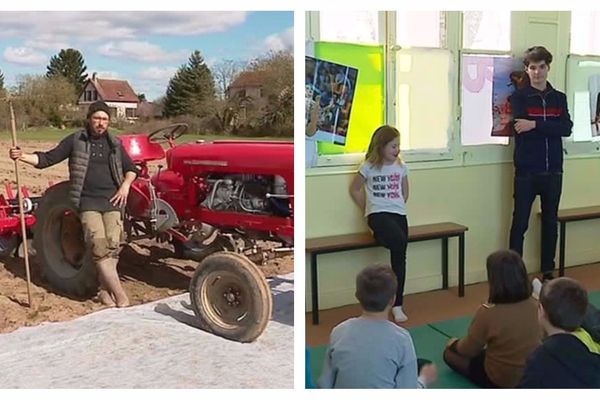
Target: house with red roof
{"points": [[248, 88], [117, 94], [249, 84]]}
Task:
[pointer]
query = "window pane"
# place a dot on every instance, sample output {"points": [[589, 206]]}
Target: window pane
{"points": [[486, 30], [349, 26], [423, 119], [420, 29], [585, 32]]}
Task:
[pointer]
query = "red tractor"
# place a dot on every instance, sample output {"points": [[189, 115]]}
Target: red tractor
{"points": [[213, 202], [10, 224]]}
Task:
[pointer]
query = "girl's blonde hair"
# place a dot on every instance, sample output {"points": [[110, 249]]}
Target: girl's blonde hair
{"points": [[381, 137]]}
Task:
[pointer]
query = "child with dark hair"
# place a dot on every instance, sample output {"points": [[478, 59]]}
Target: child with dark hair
{"points": [[541, 119], [504, 331], [563, 360], [370, 351]]}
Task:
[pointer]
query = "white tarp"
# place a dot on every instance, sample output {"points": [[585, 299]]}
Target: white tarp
{"points": [[150, 346]]}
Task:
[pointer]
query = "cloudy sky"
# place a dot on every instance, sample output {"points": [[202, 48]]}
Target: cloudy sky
{"points": [[144, 48]]}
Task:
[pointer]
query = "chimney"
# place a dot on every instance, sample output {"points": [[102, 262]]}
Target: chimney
{"points": [[94, 77]]}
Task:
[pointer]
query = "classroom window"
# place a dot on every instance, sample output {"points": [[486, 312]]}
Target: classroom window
{"points": [[349, 26], [420, 29], [423, 98], [585, 32], [486, 30], [483, 31]]}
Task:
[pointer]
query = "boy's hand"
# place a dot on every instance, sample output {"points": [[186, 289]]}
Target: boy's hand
{"points": [[429, 374], [524, 125]]}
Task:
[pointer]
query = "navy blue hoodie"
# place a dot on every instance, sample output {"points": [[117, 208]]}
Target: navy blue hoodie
{"points": [[562, 361], [540, 149]]}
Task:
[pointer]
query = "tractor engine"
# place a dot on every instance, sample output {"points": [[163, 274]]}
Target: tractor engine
{"points": [[254, 194]]}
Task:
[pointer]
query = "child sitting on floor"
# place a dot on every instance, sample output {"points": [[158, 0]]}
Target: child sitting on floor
{"points": [[370, 351], [566, 359], [504, 331]]}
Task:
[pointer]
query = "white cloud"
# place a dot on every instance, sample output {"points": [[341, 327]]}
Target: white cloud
{"points": [[157, 74], [139, 51], [47, 44], [24, 56], [98, 26], [281, 41]]}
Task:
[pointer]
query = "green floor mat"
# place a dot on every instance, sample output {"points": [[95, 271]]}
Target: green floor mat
{"points": [[430, 344], [453, 327], [317, 354], [594, 298]]}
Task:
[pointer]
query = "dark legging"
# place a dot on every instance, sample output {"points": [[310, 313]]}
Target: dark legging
{"points": [[391, 231]]}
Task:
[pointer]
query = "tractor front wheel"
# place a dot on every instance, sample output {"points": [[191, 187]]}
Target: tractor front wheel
{"points": [[231, 297]]}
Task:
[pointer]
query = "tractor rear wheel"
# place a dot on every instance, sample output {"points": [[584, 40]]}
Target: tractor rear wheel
{"points": [[58, 241], [231, 297]]}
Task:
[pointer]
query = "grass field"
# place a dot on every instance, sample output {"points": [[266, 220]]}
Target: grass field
{"points": [[55, 135]]}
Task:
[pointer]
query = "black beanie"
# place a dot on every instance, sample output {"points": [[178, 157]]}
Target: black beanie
{"points": [[98, 106]]}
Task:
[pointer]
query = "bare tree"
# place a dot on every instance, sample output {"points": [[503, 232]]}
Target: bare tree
{"points": [[225, 73], [40, 101]]}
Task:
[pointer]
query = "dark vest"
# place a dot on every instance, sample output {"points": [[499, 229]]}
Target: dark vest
{"points": [[79, 160]]}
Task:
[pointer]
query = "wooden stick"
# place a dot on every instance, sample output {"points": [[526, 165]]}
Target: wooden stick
{"points": [[20, 200]]}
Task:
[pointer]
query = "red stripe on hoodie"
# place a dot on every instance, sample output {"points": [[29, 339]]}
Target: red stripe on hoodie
{"points": [[539, 112]]}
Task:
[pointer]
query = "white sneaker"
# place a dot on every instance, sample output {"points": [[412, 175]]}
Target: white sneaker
{"points": [[537, 288], [399, 315]]}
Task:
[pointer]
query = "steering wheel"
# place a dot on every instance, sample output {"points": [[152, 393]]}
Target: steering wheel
{"points": [[168, 134]]}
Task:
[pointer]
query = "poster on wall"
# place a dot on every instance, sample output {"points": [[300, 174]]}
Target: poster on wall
{"points": [[329, 93], [594, 89], [508, 76]]}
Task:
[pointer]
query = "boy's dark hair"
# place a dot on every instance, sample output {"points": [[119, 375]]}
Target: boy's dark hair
{"points": [[507, 277], [537, 54], [376, 287], [565, 302]]}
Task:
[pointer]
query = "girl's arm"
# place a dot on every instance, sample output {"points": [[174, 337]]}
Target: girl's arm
{"points": [[405, 189], [357, 191]]}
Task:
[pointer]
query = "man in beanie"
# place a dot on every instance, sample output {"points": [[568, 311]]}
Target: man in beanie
{"points": [[100, 173]]}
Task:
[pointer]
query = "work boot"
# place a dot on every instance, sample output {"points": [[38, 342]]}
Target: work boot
{"points": [[107, 270]]}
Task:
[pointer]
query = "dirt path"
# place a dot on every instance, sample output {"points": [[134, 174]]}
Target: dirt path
{"points": [[147, 269]]}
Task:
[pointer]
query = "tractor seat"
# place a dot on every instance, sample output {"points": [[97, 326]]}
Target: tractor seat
{"points": [[140, 149]]}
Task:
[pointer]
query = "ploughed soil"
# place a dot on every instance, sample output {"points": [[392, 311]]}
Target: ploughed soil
{"points": [[147, 268]]}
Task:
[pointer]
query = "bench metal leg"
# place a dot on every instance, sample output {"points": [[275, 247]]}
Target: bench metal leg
{"points": [[444, 263], [461, 265], [562, 247], [314, 288]]}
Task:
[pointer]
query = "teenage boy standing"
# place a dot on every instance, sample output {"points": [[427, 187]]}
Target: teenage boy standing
{"points": [[541, 120]]}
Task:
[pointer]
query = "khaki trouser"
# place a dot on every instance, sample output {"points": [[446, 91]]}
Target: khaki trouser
{"points": [[102, 232]]}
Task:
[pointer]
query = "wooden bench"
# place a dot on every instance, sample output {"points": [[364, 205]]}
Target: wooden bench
{"points": [[334, 244], [569, 215]]}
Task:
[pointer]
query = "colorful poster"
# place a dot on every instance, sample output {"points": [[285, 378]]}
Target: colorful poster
{"points": [[508, 75], [329, 94], [594, 89]]}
